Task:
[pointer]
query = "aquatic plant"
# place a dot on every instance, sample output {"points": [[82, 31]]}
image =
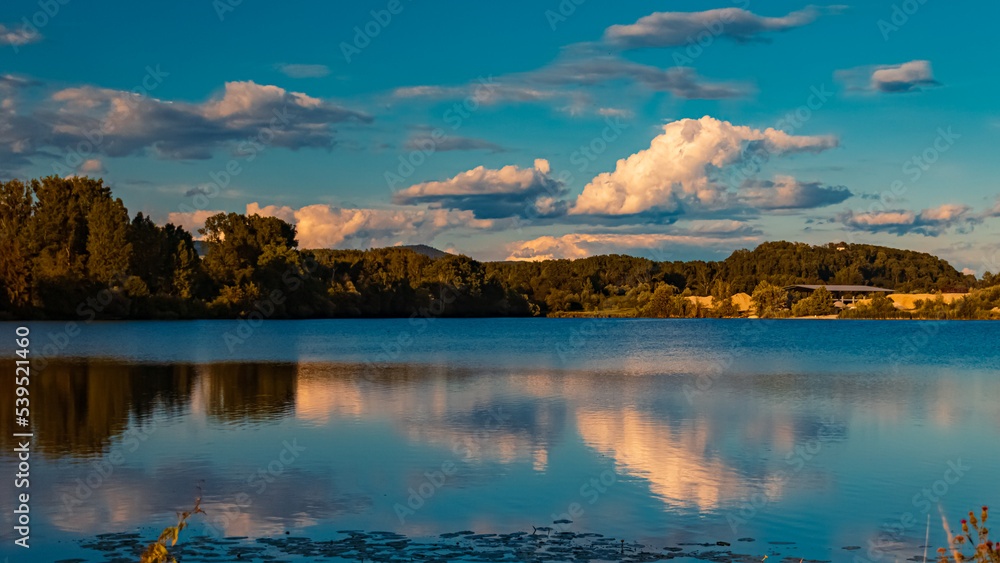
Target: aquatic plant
{"points": [[157, 551], [978, 536]]}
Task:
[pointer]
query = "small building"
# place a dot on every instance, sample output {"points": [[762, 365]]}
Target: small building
{"points": [[843, 293]]}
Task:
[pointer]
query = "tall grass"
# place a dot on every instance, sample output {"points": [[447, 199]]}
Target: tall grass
{"points": [[157, 551], [974, 535]]}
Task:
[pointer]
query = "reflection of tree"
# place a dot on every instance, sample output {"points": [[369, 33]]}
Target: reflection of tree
{"points": [[249, 392], [77, 407]]}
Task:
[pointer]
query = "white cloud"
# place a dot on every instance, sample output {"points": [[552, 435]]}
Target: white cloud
{"points": [[18, 37], [889, 79], [191, 221], [283, 212], [787, 193], [683, 168], [508, 192], [577, 245], [328, 226], [244, 114], [91, 166], [903, 78], [929, 222], [673, 29]]}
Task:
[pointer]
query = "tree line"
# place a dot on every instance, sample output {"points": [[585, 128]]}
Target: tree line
{"points": [[69, 249]]}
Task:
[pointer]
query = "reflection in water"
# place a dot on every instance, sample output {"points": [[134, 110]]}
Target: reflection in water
{"points": [[316, 447], [247, 392], [82, 406]]}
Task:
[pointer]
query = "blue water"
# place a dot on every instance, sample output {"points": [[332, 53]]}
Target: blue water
{"points": [[826, 434]]}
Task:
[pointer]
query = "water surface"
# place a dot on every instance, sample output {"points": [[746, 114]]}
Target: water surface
{"points": [[827, 434]]}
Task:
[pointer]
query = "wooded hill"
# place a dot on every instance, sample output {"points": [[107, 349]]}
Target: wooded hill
{"points": [[69, 249]]}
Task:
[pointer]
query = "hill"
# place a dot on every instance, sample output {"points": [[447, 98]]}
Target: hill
{"points": [[69, 249], [428, 251]]}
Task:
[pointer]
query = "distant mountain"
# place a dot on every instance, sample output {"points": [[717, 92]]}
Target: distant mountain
{"points": [[428, 251]]}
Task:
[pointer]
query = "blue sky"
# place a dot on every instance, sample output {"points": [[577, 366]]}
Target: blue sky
{"points": [[673, 130]]}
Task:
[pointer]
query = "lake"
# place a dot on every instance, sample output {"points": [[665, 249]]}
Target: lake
{"points": [[806, 437]]}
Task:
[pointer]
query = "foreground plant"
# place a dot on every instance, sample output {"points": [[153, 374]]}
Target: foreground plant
{"points": [[985, 550], [157, 552]]}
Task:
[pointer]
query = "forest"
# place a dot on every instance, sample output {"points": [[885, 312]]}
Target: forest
{"points": [[70, 250]]}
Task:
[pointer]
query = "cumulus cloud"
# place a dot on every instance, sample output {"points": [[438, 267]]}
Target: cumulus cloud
{"points": [[283, 212], [889, 79], [328, 226], [785, 192], [304, 71], [673, 29], [192, 220], [508, 192], [18, 37], [929, 222], [579, 245], [244, 114], [684, 167]]}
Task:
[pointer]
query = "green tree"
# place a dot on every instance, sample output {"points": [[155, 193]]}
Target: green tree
{"points": [[15, 256], [108, 249], [666, 303], [236, 243], [60, 225], [769, 300], [879, 307], [722, 300], [818, 303]]}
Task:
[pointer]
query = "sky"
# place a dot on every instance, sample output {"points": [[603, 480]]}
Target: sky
{"points": [[523, 130]]}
